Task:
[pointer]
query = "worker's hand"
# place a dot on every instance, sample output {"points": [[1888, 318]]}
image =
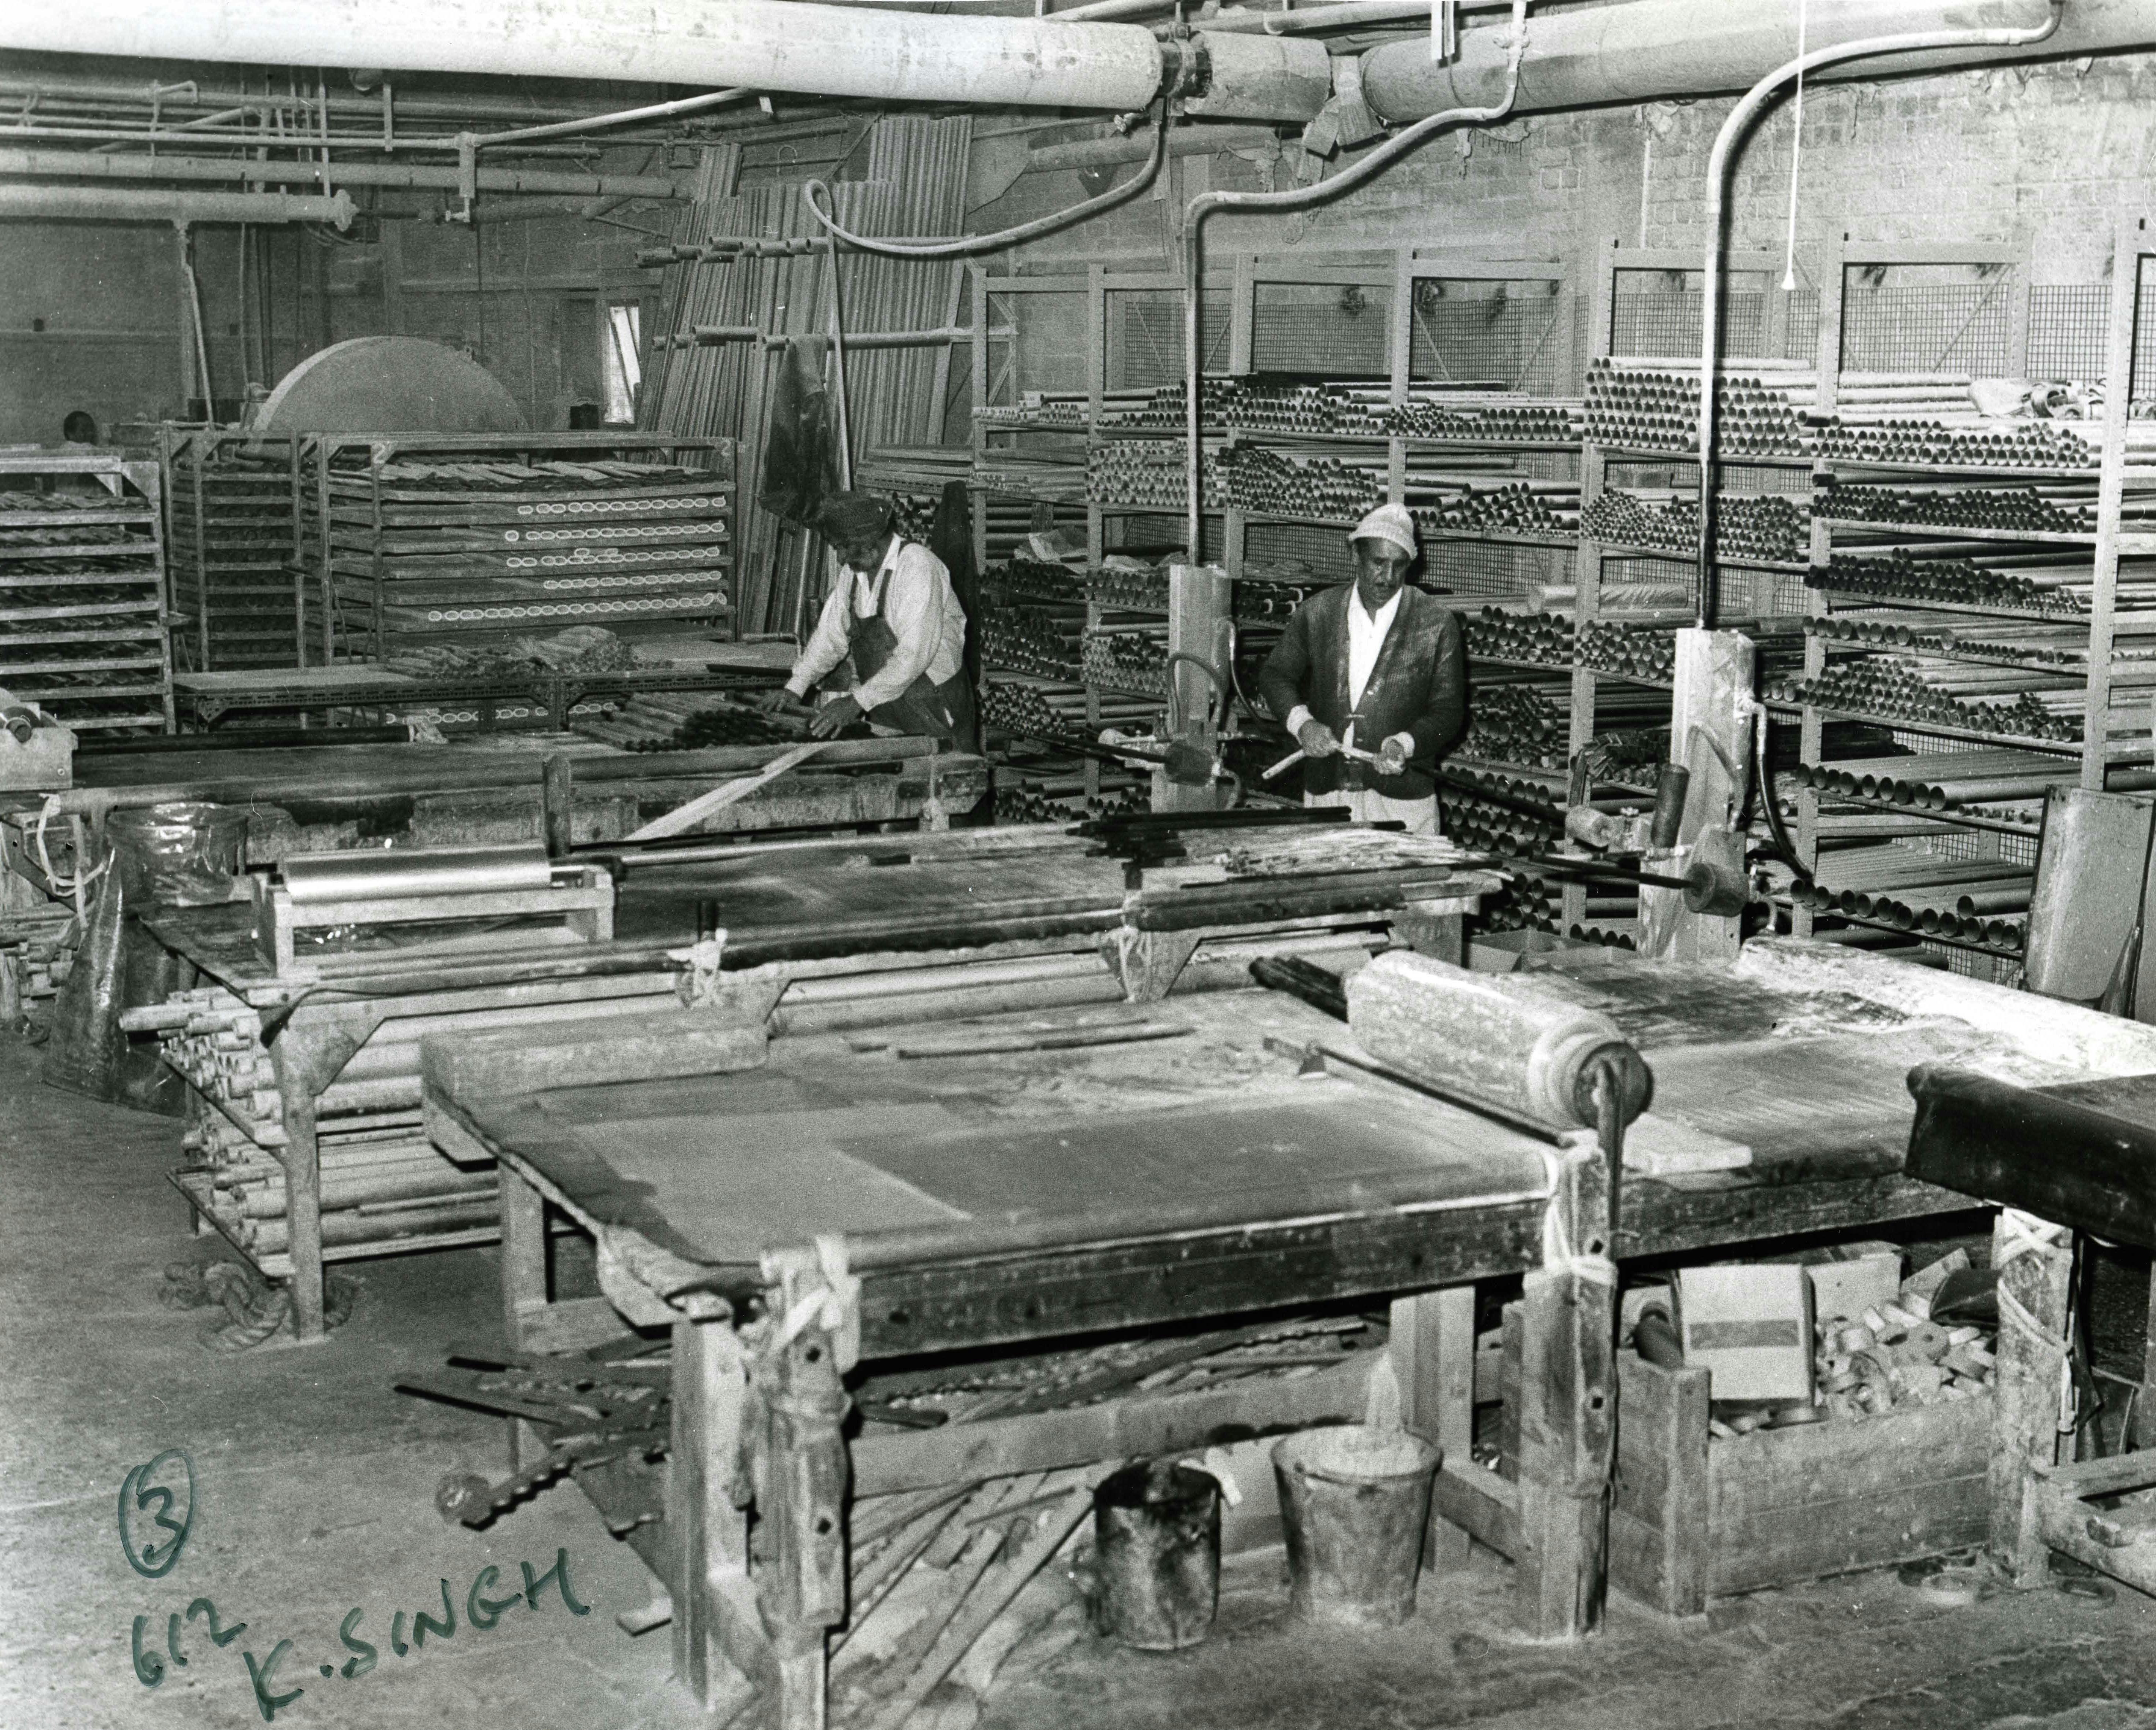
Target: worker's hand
{"points": [[775, 700], [1317, 739], [835, 717], [1392, 755]]}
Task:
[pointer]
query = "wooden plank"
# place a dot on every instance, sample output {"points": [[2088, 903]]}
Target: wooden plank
{"points": [[1662, 1484], [1839, 1536], [1479, 1503], [1804, 1466], [574, 1324], [1115, 1429], [720, 1649], [595, 1051]]}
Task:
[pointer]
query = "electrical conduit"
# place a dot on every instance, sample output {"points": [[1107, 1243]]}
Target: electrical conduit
{"points": [[1717, 176], [1300, 198]]}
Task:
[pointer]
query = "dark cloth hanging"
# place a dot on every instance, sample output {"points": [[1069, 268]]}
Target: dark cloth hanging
{"points": [[800, 464], [951, 539]]}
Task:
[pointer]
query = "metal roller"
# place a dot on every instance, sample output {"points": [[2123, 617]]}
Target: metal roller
{"points": [[383, 876]]}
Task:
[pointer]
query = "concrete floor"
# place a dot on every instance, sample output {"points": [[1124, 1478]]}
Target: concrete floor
{"points": [[315, 1487]]}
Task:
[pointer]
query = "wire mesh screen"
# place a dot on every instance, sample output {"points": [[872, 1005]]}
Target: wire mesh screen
{"points": [[1153, 532], [1801, 325], [2143, 376], [1046, 349], [1513, 334], [1466, 567], [1928, 327], [1328, 330], [1145, 336], [1289, 548], [2067, 325], [1666, 321]]}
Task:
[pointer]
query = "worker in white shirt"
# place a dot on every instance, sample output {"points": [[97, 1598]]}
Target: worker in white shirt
{"points": [[893, 612], [1376, 666]]}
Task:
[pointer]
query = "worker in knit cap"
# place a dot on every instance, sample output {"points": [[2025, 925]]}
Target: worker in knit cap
{"points": [[1371, 677], [892, 612]]}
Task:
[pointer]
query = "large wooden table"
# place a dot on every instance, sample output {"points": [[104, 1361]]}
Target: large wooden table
{"points": [[947, 923], [1010, 1199]]}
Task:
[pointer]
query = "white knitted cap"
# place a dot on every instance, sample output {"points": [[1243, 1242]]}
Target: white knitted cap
{"points": [[1390, 523]]}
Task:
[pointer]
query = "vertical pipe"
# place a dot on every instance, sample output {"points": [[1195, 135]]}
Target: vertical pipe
{"points": [[1717, 178]]}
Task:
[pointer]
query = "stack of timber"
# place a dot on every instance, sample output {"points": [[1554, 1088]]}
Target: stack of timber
{"points": [[82, 589], [479, 547], [790, 286], [233, 504]]}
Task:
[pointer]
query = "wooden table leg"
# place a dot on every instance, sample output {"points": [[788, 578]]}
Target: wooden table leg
{"points": [[1567, 1421], [2144, 1405], [2035, 1261], [720, 1648], [523, 1286], [302, 1156], [1433, 1351]]}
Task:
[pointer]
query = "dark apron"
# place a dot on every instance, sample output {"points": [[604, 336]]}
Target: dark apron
{"points": [[923, 708]]}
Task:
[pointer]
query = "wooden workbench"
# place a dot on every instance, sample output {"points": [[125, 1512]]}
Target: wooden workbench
{"points": [[1062, 930], [1016, 1198]]}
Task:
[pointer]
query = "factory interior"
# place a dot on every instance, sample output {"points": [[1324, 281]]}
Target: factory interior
{"points": [[971, 864]]}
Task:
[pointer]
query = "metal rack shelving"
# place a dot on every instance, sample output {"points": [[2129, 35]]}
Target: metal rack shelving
{"points": [[231, 503], [83, 600], [418, 541]]}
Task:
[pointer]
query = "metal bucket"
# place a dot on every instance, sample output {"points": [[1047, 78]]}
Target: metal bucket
{"points": [[1353, 1503], [177, 855], [1156, 1533]]}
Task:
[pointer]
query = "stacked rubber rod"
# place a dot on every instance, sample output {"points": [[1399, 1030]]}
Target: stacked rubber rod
{"points": [[1150, 472], [1770, 527], [1545, 639], [1982, 902], [1653, 404], [1997, 701]]}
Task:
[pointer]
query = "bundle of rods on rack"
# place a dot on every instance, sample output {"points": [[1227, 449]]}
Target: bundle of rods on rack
{"points": [[1995, 784], [1769, 526], [1132, 591], [1470, 413], [2050, 583], [1984, 903], [1150, 472], [1544, 508], [682, 720], [1975, 443], [1023, 579], [1042, 409], [1959, 635], [1546, 639], [1044, 641], [1523, 718], [1007, 520], [1646, 647], [913, 468], [1997, 701], [1059, 477], [1128, 657], [1649, 403], [1052, 711], [2052, 507]]}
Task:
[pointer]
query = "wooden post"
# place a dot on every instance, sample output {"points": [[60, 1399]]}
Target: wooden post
{"points": [[716, 1632], [1198, 603], [1567, 1419], [303, 1207], [1433, 1355], [2035, 1261], [1709, 736], [1659, 1502], [523, 1286], [558, 802]]}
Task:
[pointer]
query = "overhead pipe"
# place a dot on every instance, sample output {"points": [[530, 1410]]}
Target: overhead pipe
{"points": [[1111, 152], [116, 204], [462, 108], [1718, 182], [470, 144], [1645, 50], [83, 165], [762, 44], [1296, 198]]}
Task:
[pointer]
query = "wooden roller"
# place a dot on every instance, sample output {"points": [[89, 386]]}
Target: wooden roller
{"points": [[1493, 1038]]}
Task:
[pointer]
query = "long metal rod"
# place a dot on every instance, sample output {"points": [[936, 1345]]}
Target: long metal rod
{"points": [[1717, 179], [154, 204], [84, 165], [626, 116], [1300, 199]]}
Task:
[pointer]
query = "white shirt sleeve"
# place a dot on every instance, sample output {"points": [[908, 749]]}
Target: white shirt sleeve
{"points": [[1295, 719], [912, 606], [828, 642]]}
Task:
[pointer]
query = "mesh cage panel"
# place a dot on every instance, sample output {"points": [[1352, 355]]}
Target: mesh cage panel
{"points": [[1512, 335], [1928, 327], [1145, 336], [1329, 329]]}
